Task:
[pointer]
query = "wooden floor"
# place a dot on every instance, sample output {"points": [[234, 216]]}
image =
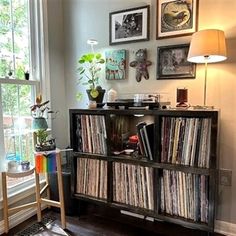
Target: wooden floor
{"points": [[96, 225]]}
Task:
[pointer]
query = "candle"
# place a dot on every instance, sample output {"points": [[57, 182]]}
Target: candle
{"points": [[182, 97]]}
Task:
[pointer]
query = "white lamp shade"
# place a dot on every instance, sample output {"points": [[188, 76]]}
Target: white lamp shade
{"points": [[207, 46]]}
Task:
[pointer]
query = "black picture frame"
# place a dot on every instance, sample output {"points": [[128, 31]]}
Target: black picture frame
{"points": [[130, 25], [175, 18], [172, 63]]}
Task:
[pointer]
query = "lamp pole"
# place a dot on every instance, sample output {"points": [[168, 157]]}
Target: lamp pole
{"points": [[205, 80]]}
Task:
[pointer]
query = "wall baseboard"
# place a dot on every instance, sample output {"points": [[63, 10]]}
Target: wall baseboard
{"points": [[222, 227], [225, 228]]}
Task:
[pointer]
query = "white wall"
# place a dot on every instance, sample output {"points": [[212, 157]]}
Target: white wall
{"points": [[84, 19]]}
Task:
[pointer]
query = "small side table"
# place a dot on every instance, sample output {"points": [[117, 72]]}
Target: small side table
{"points": [[7, 211]]}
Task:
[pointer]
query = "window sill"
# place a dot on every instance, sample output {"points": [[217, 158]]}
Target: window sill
{"points": [[21, 194]]}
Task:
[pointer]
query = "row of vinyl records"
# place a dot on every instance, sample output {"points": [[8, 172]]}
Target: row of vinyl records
{"points": [[133, 185], [185, 195], [182, 194], [186, 141], [146, 139], [92, 177], [91, 134]]}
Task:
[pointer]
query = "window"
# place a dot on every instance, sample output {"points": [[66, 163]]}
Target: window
{"points": [[16, 99], [14, 38], [21, 53]]}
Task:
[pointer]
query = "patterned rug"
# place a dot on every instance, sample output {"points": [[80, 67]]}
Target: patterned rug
{"points": [[48, 226]]}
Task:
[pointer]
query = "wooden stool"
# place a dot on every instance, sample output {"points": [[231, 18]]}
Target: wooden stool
{"points": [[60, 204], [39, 200], [8, 211]]}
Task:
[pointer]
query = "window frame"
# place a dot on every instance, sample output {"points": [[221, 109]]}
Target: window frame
{"points": [[39, 72]]}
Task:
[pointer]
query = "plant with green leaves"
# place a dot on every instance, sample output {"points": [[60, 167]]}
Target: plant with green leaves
{"points": [[42, 135], [89, 71]]}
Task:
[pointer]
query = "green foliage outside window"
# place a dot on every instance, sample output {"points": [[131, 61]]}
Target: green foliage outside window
{"points": [[14, 38], [14, 62], [17, 120]]}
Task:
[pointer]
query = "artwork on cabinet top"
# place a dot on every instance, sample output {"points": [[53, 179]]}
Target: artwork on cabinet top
{"points": [[130, 25], [176, 18], [172, 62], [115, 64]]}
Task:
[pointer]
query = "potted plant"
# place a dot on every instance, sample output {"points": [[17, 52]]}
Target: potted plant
{"points": [[89, 71], [40, 125]]}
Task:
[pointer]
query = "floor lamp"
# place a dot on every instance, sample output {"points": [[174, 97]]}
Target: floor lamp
{"points": [[207, 46]]}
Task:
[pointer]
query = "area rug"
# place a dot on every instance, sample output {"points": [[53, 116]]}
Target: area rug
{"points": [[48, 226]]}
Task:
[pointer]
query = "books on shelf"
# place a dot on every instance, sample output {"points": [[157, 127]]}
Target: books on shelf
{"points": [[186, 141]]}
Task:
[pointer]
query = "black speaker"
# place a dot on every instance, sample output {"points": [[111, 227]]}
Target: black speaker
{"points": [[70, 203]]}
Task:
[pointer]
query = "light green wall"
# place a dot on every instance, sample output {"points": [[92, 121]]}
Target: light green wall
{"points": [[84, 19], [56, 66]]}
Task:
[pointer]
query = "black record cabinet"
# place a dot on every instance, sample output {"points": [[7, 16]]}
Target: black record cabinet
{"points": [[158, 163]]}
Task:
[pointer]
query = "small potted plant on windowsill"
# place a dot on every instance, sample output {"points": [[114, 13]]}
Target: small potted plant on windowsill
{"points": [[89, 71]]}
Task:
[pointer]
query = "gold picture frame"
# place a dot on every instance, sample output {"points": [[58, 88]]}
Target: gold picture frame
{"points": [[176, 18]]}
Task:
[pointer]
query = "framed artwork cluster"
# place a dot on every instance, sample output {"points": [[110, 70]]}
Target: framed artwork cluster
{"points": [[172, 62], [131, 25], [174, 18], [115, 66]]}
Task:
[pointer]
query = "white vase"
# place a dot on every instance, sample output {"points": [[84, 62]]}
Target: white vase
{"points": [[111, 95]]}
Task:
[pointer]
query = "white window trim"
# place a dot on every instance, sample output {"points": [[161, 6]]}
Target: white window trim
{"points": [[39, 34]]}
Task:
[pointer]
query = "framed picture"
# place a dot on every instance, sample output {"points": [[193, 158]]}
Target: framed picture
{"points": [[172, 63], [115, 66], [176, 18], [131, 25]]}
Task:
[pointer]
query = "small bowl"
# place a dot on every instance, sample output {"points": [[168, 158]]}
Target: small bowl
{"points": [[25, 165], [128, 151]]}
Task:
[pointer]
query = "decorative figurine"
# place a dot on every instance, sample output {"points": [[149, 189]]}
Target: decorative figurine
{"points": [[111, 95], [141, 64]]}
